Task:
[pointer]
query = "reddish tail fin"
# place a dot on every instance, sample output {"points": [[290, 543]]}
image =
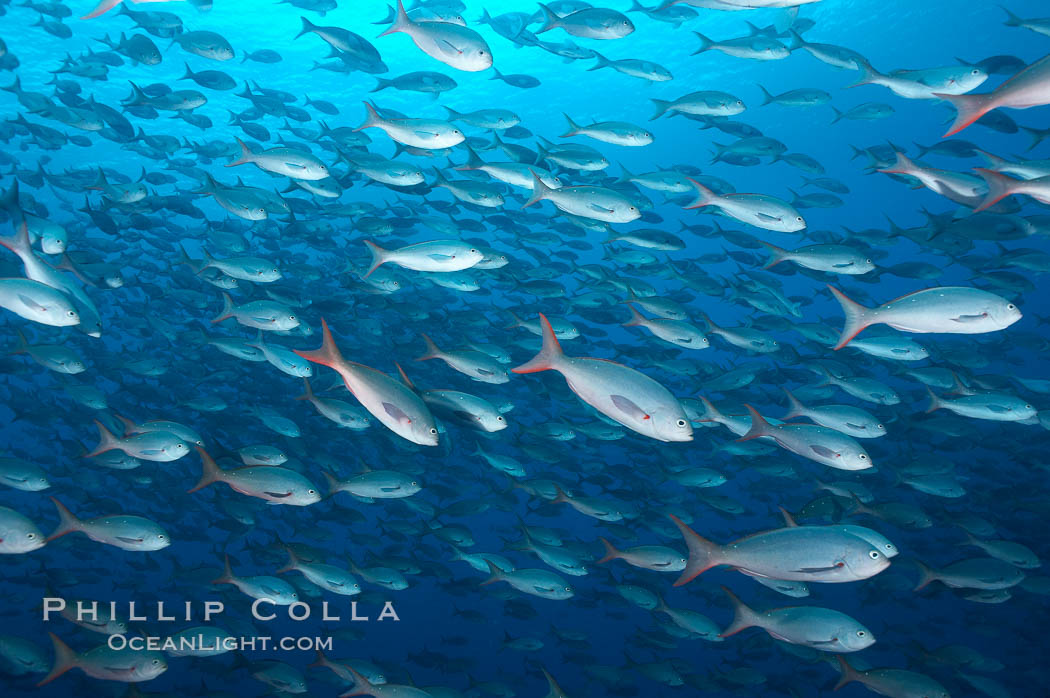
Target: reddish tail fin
{"points": [[65, 659], [999, 187], [759, 426], [495, 574], [227, 572], [328, 354], [776, 254], [636, 317], [857, 317], [935, 402], [378, 257], [308, 393], [849, 674], [903, 165], [401, 21], [550, 354], [795, 407], [970, 108], [246, 155], [743, 616], [540, 191], [227, 309], [926, 575], [210, 471], [67, 521], [433, 352], [611, 553], [102, 8], [106, 440], [703, 554], [704, 196], [373, 118]]}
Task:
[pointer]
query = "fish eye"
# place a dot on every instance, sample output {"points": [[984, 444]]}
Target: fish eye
{"points": [[861, 633], [311, 492], [433, 430], [160, 537], [72, 313], [799, 219], [30, 536], [879, 426], [874, 554], [681, 423], [863, 456], [156, 661], [1010, 306], [180, 445], [499, 418], [291, 317], [1028, 407]]}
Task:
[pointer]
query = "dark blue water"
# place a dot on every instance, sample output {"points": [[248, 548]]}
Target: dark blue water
{"points": [[453, 636]]}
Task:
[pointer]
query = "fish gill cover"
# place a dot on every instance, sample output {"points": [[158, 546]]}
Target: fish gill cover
{"points": [[504, 349]]}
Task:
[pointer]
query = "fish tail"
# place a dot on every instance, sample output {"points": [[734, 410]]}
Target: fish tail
{"points": [[189, 72], [795, 407], [703, 554], [433, 351], [293, 561], [611, 553], [210, 471], [227, 309], [1012, 20], [705, 43], [849, 674], [969, 109], [838, 116], [495, 574], [935, 402], [573, 127], [373, 118], [550, 354], [381, 84], [401, 21], [903, 165], [603, 62], [22, 346], [662, 105], [636, 318], [704, 196], [362, 686], [332, 481], [246, 155], [19, 242], [759, 426], [743, 616], [551, 19], [65, 658], [926, 575], [767, 96], [106, 440], [308, 27], [540, 191], [102, 8], [473, 162], [67, 521], [320, 660], [711, 413], [328, 354], [308, 393], [379, 257], [868, 74], [789, 519], [999, 187], [776, 254], [227, 572], [857, 317]]}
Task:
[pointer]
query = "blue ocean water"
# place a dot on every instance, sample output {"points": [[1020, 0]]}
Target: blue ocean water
{"points": [[936, 478]]}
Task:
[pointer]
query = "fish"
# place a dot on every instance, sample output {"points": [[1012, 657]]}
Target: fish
{"points": [[946, 309], [647, 408]]}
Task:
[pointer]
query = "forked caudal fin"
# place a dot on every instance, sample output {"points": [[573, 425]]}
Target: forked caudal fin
{"points": [[550, 354], [743, 616], [65, 659], [970, 108], [704, 196], [379, 257], [328, 354], [401, 21], [857, 317], [210, 471], [999, 187], [611, 553], [540, 191], [703, 554], [106, 440], [759, 426], [849, 674], [67, 521]]}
